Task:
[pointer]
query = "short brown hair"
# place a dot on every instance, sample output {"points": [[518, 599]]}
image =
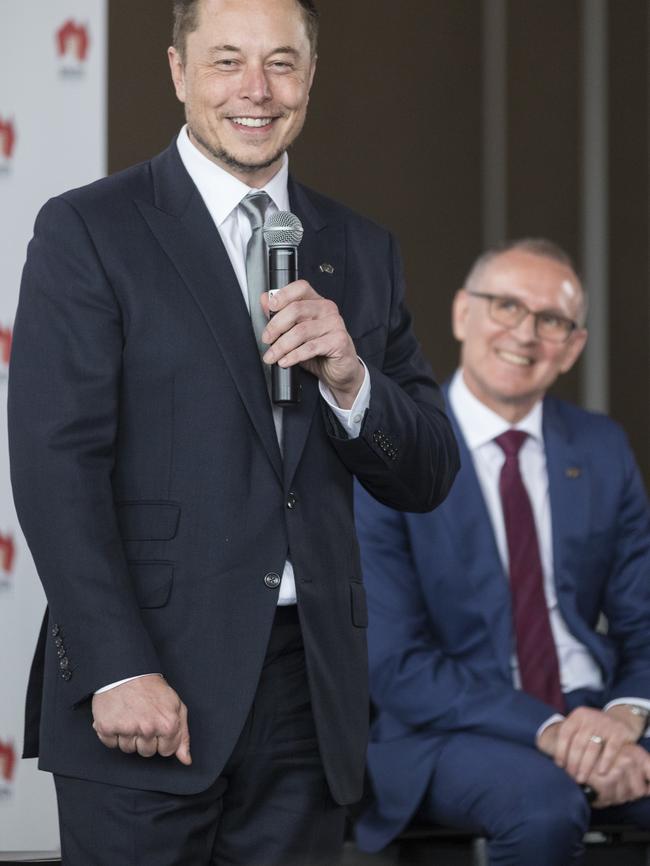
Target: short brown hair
{"points": [[186, 19]]}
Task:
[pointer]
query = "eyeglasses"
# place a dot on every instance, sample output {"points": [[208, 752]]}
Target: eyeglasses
{"points": [[510, 313]]}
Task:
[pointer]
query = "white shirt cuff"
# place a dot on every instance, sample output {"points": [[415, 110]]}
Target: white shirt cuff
{"points": [[635, 702], [121, 682], [556, 717], [352, 418]]}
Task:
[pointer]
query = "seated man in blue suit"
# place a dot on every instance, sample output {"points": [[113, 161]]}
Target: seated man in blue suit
{"points": [[499, 699]]}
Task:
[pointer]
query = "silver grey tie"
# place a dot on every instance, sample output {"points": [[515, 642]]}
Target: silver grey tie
{"points": [[254, 206]]}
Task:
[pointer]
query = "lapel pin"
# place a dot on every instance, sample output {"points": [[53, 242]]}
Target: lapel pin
{"points": [[326, 268], [573, 472]]}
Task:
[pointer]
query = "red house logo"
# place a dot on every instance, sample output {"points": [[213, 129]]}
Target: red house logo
{"points": [[7, 761], [5, 345], [7, 553], [7, 138], [72, 39]]}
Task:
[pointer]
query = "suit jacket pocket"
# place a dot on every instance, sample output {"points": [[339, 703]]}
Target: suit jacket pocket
{"points": [[359, 605], [148, 521], [153, 581]]}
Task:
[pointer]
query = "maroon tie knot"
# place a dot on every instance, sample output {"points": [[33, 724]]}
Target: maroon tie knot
{"points": [[511, 441]]}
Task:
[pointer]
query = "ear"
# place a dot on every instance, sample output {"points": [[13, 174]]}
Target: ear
{"points": [[459, 311], [312, 71], [577, 342], [177, 70]]}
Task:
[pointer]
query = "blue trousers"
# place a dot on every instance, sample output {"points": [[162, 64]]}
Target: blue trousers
{"points": [[531, 811]]}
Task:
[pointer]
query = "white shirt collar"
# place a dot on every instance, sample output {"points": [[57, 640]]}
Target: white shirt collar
{"points": [[222, 191], [481, 425]]}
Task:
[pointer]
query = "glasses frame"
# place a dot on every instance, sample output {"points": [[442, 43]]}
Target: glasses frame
{"points": [[574, 326]]}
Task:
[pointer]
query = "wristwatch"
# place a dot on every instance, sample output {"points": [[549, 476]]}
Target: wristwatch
{"points": [[641, 713]]}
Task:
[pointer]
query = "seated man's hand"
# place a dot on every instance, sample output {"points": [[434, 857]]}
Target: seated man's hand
{"points": [[145, 716], [587, 741], [627, 779]]}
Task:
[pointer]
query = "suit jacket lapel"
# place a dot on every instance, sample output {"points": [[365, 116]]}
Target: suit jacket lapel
{"points": [[323, 242], [570, 500], [470, 528], [184, 229]]}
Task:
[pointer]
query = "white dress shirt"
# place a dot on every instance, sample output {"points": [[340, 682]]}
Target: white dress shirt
{"points": [[480, 426], [222, 193]]}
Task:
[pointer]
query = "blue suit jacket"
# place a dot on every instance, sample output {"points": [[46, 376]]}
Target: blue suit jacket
{"points": [[149, 482], [440, 636]]}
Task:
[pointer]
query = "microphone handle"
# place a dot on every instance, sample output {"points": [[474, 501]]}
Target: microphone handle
{"points": [[283, 269]]}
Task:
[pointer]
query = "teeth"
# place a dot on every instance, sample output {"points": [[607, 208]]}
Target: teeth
{"points": [[515, 359], [252, 121]]}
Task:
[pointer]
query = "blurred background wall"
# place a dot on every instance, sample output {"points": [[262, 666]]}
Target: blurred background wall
{"points": [[457, 123]]}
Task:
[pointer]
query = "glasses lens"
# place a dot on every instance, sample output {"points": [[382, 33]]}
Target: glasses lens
{"points": [[553, 328], [507, 311]]}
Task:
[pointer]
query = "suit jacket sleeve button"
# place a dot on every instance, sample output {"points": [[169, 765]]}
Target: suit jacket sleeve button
{"points": [[55, 630], [64, 664], [272, 580], [291, 500], [66, 675]]}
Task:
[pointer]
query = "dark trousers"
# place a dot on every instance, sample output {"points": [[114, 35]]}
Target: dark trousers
{"points": [[531, 811], [271, 806]]}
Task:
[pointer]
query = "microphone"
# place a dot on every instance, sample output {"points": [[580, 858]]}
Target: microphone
{"points": [[283, 232]]}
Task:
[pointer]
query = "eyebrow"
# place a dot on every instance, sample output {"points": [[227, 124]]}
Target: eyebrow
{"points": [[282, 49]]}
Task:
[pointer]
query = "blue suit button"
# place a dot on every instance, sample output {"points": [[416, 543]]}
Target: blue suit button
{"points": [[272, 580]]}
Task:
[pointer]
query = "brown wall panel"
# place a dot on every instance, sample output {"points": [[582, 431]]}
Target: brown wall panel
{"points": [[629, 47], [394, 129], [544, 128]]}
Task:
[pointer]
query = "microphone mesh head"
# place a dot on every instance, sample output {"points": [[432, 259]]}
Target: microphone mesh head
{"points": [[282, 229]]}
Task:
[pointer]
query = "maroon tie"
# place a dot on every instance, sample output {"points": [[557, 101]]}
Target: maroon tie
{"points": [[538, 665]]}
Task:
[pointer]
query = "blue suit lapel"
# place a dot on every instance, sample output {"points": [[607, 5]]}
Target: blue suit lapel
{"points": [[570, 502], [470, 529]]}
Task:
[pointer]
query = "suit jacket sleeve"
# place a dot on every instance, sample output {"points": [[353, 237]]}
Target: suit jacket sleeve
{"points": [[406, 454], [412, 678], [63, 410], [626, 602]]}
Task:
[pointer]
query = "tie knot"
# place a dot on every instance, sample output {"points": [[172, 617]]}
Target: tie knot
{"points": [[254, 205], [511, 441]]}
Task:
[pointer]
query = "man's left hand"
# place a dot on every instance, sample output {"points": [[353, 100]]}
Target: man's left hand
{"points": [[308, 329], [589, 740]]}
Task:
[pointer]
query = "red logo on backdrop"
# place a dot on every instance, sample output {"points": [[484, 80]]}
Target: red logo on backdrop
{"points": [[7, 553], [7, 761], [7, 138], [5, 345], [72, 38]]}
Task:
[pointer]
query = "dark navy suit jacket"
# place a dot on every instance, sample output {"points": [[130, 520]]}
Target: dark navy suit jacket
{"points": [[440, 636], [149, 481]]}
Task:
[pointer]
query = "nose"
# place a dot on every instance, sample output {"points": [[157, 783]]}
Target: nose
{"points": [[255, 85], [525, 331]]}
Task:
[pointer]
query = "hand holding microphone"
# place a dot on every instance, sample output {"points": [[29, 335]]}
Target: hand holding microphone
{"points": [[304, 329]]}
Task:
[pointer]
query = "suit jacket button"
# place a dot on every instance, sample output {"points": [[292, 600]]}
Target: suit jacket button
{"points": [[58, 641], [64, 663], [291, 500], [55, 630], [61, 652], [272, 580], [66, 675]]}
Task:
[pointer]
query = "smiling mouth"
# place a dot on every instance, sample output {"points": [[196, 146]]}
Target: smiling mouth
{"points": [[512, 358], [252, 122]]}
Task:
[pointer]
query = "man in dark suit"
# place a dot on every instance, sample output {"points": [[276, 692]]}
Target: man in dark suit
{"points": [[498, 695], [174, 515]]}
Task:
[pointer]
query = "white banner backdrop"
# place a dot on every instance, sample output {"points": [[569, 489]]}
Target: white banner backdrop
{"points": [[52, 137]]}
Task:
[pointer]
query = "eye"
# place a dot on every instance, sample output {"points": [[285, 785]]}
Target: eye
{"points": [[226, 63], [551, 320], [281, 65], [507, 305]]}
